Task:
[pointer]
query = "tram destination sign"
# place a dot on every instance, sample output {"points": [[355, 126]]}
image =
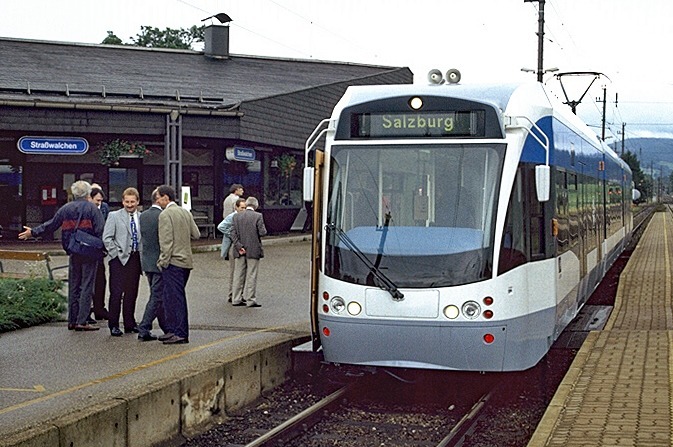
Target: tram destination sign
{"points": [[53, 145], [432, 124]]}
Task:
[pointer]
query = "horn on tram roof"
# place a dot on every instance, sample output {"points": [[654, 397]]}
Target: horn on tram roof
{"points": [[453, 76], [435, 77]]}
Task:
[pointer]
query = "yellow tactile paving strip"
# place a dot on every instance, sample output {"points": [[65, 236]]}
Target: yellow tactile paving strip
{"points": [[618, 389]]}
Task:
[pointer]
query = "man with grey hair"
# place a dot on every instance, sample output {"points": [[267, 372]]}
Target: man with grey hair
{"points": [[246, 232], [83, 215]]}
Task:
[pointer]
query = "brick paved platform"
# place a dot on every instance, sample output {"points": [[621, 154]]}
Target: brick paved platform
{"points": [[618, 390]]}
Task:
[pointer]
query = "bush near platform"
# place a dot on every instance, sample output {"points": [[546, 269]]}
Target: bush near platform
{"points": [[29, 302]]}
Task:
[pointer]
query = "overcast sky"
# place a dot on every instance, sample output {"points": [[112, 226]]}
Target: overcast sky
{"points": [[487, 40]]}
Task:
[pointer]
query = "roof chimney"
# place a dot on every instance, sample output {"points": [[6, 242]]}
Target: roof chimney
{"points": [[216, 39]]}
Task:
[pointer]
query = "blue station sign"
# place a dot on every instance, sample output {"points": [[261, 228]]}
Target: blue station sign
{"points": [[53, 145], [240, 154]]}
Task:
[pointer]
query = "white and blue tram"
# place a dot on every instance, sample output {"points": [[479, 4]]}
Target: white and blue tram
{"points": [[457, 227]]}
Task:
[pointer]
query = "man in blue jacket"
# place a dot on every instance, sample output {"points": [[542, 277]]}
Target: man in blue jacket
{"points": [[81, 271]]}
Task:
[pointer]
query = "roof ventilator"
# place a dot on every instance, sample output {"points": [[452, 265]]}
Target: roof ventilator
{"points": [[216, 38]]}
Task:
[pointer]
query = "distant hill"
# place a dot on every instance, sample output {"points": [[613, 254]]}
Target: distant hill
{"points": [[653, 153]]}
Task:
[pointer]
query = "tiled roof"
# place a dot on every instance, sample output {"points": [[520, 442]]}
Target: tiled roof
{"points": [[40, 70]]}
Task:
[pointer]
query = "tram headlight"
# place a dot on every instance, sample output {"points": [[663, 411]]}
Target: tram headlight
{"points": [[337, 304], [354, 308], [451, 312], [471, 310]]}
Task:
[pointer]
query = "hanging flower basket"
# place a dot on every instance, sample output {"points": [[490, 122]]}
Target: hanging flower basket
{"points": [[287, 163], [112, 151]]}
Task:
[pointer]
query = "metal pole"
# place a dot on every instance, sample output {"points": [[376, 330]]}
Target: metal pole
{"points": [[173, 151], [603, 126], [540, 40]]}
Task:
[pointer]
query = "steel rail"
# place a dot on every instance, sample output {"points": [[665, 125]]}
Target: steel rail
{"points": [[467, 423], [272, 436]]}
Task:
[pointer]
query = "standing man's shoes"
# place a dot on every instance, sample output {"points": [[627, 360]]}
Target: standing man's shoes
{"points": [[175, 340], [166, 336], [253, 304], [116, 332], [147, 337], [71, 326], [239, 304], [86, 327]]}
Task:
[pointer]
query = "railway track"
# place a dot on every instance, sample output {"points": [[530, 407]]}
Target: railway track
{"points": [[361, 414]]}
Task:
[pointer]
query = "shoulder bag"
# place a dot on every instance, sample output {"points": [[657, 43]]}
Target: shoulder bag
{"points": [[86, 245]]}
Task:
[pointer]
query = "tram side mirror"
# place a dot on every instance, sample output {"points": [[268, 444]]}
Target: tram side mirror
{"points": [[309, 183], [636, 195], [542, 182]]}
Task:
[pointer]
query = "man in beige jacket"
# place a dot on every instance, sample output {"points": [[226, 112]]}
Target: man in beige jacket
{"points": [[176, 228]]}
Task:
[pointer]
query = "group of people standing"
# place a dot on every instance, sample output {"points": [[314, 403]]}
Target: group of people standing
{"points": [[242, 229], [156, 242]]}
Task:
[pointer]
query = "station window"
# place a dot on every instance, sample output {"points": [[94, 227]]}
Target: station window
{"points": [[284, 182], [120, 179], [11, 196]]}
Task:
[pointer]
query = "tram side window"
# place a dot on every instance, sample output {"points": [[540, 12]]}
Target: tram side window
{"points": [[513, 247], [538, 229], [615, 203], [562, 205], [589, 211], [573, 209]]}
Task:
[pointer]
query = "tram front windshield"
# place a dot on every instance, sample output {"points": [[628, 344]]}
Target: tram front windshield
{"points": [[423, 216]]}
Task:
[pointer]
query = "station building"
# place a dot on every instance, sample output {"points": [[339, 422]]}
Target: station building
{"points": [[125, 116]]}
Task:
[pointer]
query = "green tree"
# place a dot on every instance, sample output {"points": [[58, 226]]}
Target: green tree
{"points": [[152, 37], [111, 39], [642, 184]]}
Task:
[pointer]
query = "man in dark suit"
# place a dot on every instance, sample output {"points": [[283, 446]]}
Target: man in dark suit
{"points": [[246, 232], [149, 255], [99, 311]]}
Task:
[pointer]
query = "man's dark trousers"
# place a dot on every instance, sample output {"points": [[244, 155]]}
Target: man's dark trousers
{"points": [[175, 299], [124, 283], [155, 305], [81, 278]]}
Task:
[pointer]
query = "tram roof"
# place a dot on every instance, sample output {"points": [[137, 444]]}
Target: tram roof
{"points": [[507, 97], [495, 94]]}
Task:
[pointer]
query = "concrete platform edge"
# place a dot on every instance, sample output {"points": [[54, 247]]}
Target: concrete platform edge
{"points": [[557, 405], [167, 412]]}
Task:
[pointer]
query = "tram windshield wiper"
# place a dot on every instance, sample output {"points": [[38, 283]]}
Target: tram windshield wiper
{"points": [[379, 278]]}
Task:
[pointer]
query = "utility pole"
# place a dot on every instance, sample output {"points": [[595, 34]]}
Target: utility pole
{"points": [[540, 37], [604, 103], [623, 138]]}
